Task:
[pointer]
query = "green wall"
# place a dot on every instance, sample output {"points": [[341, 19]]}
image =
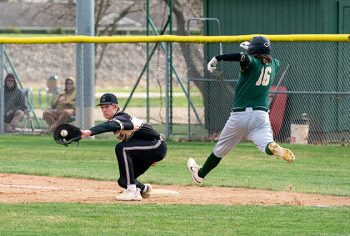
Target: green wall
{"points": [[276, 16], [325, 72]]}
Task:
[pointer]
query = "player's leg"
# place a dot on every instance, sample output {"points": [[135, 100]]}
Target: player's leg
{"points": [[134, 158], [233, 132], [17, 118], [7, 119], [51, 117], [144, 154], [126, 171], [64, 116], [260, 132]]}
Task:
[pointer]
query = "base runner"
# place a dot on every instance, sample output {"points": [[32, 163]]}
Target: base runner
{"points": [[249, 119]]}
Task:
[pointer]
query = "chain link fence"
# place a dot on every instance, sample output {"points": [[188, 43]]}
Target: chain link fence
{"points": [[310, 96]]}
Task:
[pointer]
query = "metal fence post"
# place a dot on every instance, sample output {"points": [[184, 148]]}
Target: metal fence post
{"points": [[2, 100], [85, 26]]}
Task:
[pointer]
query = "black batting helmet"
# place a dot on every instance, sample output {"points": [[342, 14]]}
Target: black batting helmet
{"points": [[259, 45]]}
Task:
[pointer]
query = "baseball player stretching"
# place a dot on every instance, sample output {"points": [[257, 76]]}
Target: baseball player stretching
{"points": [[140, 146], [249, 119]]}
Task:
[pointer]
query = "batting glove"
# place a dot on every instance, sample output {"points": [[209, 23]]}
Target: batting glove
{"points": [[245, 45], [212, 65]]}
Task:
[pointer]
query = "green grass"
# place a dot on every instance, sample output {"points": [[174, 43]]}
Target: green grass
{"points": [[106, 219], [142, 90], [160, 102], [318, 169], [134, 102]]}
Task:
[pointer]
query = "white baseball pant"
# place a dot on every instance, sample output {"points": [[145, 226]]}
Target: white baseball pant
{"points": [[253, 125]]}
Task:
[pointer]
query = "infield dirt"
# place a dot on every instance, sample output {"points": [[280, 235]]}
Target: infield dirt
{"points": [[16, 188]]}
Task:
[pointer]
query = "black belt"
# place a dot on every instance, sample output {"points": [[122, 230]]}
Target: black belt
{"points": [[244, 109]]}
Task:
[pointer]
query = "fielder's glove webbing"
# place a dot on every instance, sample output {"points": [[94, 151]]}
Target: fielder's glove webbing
{"points": [[72, 135]]}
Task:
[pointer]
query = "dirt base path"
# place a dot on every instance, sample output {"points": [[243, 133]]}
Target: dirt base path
{"points": [[27, 188]]}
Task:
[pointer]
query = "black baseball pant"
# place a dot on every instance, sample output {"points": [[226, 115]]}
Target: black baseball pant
{"points": [[135, 157]]}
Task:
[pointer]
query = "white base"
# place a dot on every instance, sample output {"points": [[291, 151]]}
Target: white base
{"points": [[161, 193]]}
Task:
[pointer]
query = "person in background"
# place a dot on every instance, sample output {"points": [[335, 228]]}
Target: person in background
{"points": [[15, 104], [62, 106]]}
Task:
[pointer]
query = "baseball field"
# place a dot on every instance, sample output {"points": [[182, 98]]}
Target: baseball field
{"points": [[49, 189]]}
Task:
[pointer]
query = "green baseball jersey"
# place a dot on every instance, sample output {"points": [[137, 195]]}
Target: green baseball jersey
{"points": [[254, 84]]}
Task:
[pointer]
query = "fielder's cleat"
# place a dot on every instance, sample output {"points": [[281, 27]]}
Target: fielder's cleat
{"points": [[130, 195], [281, 152], [146, 191], [147, 188], [193, 167]]}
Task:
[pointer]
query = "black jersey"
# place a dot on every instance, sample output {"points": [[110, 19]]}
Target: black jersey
{"points": [[133, 127], [126, 127]]}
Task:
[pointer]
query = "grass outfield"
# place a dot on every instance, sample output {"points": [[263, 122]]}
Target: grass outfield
{"points": [[155, 102], [318, 169], [91, 219], [43, 102]]}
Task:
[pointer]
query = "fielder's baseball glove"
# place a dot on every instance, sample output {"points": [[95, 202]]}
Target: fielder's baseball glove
{"points": [[72, 134]]}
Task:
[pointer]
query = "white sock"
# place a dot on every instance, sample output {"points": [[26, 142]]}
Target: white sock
{"points": [[145, 189], [131, 187]]}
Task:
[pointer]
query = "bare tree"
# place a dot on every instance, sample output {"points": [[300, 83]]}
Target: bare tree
{"points": [[181, 9], [59, 11], [193, 71], [213, 122], [103, 8]]}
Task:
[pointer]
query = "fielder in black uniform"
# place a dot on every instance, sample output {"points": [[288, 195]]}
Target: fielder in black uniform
{"points": [[140, 146]]}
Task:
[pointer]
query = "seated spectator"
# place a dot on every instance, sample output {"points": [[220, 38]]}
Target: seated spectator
{"points": [[15, 104], [62, 106]]}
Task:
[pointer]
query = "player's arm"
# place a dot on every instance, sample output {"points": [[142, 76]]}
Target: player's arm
{"points": [[243, 58], [230, 57], [109, 126]]}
